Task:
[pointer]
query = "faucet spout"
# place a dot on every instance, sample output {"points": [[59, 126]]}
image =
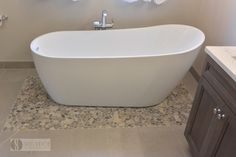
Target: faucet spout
{"points": [[104, 18]]}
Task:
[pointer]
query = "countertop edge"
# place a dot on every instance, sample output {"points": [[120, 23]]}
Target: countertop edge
{"points": [[222, 62]]}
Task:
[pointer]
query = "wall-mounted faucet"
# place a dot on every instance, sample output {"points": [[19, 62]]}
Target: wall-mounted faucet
{"points": [[102, 24]]}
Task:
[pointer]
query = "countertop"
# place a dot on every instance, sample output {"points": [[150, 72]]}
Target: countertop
{"points": [[225, 56]]}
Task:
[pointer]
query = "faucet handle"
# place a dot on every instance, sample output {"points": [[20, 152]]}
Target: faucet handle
{"points": [[96, 23]]}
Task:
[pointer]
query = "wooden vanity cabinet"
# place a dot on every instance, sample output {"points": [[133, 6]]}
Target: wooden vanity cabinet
{"points": [[211, 127]]}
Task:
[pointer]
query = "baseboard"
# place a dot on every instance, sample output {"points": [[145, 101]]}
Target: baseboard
{"points": [[195, 74], [17, 65]]}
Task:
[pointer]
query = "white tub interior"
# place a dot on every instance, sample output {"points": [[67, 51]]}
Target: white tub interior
{"points": [[138, 42]]}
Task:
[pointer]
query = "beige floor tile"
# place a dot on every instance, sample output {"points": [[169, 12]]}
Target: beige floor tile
{"points": [[8, 93], [81, 142], [61, 143], [160, 142], [179, 133], [5, 146], [126, 142], [8, 153], [15, 75], [92, 143], [129, 142], [2, 71], [5, 137], [11, 81]]}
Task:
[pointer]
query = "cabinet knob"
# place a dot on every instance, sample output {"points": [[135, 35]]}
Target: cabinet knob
{"points": [[216, 110], [220, 116]]}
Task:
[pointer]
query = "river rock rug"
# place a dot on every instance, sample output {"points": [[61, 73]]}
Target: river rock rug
{"points": [[34, 110]]}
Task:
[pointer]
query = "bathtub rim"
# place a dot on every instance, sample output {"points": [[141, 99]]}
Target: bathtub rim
{"points": [[201, 41]]}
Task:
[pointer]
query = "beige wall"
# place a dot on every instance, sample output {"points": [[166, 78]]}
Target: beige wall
{"points": [[217, 18], [30, 18]]}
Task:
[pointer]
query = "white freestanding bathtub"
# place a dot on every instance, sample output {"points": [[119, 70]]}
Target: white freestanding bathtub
{"points": [[127, 67]]}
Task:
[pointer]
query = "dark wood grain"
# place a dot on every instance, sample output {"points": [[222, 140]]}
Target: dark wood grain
{"points": [[227, 147], [207, 135]]}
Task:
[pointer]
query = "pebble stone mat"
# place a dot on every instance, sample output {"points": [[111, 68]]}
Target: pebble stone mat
{"points": [[34, 110]]}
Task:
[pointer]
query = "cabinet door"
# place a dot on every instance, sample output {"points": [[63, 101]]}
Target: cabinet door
{"points": [[227, 147], [204, 130], [215, 134]]}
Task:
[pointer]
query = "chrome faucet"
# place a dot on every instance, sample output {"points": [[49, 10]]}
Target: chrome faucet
{"points": [[102, 24]]}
